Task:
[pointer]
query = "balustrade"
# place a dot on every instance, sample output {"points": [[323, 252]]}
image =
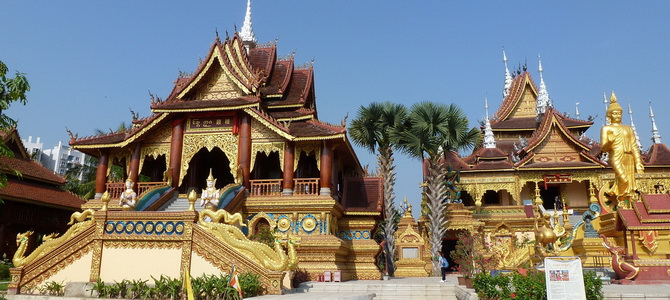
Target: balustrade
{"points": [[144, 186], [266, 187], [115, 189], [306, 186]]}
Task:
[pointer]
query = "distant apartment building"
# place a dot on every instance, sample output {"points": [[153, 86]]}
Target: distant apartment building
{"points": [[58, 159]]}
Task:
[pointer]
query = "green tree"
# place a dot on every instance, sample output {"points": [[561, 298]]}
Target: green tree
{"points": [[431, 131], [11, 90], [373, 129]]}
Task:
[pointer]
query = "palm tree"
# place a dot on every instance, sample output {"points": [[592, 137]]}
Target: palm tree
{"points": [[431, 131], [373, 129]]}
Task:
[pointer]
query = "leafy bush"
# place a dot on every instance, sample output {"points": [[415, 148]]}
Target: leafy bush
{"points": [[250, 284], [5, 265], [529, 287], [53, 288], [300, 276]]}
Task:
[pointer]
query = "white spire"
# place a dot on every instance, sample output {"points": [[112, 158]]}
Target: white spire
{"points": [[606, 102], [632, 125], [543, 100], [508, 77], [247, 33], [655, 136], [489, 140], [577, 110]]}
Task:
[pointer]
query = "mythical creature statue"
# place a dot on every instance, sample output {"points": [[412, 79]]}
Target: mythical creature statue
{"points": [[81, 216], [215, 216], [48, 244], [619, 142], [622, 268], [210, 195]]}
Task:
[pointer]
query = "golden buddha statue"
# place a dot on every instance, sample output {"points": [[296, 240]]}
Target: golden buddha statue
{"points": [[210, 195], [128, 198], [619, 142]]}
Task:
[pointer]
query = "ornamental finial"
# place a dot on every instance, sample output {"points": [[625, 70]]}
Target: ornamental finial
{"points": [[508, 77], [655, 135], [543, 99], [607, 120], [489, 139], [632, 125], [247, 33]]}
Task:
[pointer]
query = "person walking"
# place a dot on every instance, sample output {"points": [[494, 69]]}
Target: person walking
{"points": [[444, 265]]}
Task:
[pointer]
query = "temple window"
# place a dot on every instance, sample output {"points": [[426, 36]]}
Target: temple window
{"points": [[491, 198]]}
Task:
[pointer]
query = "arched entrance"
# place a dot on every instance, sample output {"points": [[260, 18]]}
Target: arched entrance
{"points": [[198, 170], [307, 167], [267, 166], [154, 168]]}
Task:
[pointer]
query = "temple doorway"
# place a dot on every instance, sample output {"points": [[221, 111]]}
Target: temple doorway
{"points": [[549, 195], [198, 170], [307, 167], [154, 168]]}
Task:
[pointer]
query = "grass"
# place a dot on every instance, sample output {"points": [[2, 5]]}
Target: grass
{"points": [[3, 286]]}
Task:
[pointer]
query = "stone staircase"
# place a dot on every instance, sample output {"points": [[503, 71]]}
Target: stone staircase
{"points": [[177, 204], [380, 290]]}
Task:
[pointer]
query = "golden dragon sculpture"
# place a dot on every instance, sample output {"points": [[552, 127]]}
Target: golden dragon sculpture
{"points": [[274, 258], [49, 243]]}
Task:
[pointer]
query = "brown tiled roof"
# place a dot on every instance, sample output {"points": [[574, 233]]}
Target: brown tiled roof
{"points": [[545, 127], [656, 203], [206, 104], [658, 154], [262, 59], [515, 123], [553, 165], [279, 78], [30, 191], [313, 128], [292, 113], [363, 194], [297, 91], [490, 153], [493, 165], [30, 169]]}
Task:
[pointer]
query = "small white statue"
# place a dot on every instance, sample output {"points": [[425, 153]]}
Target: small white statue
{"points": [[128, 197], [210, 195]]}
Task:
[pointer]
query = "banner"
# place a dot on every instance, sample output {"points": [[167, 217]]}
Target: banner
{"points": [[565, 279]]}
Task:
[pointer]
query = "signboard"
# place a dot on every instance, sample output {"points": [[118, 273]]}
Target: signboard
{"points": [[556, 178], [565, 279], [209, 123]]}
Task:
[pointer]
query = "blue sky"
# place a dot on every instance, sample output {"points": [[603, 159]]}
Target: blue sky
{"points": [[88, 62]]}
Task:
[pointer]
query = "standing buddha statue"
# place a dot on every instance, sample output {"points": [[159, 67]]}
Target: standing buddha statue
{"points": [[619, 142]]}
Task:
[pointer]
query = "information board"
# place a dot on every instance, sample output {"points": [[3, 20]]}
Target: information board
{"points": [[565, 279]]}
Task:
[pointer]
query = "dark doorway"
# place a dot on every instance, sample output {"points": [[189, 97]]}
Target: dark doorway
{"points": [[307, 167], [491, 198], [267, 166], [199, 166], [154, 168], [448, 245], [549, 195]]}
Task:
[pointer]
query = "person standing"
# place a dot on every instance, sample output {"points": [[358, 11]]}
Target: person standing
{"points": [[444, 265]]}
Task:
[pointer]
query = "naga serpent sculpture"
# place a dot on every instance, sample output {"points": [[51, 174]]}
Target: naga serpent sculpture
{"points": [[622, 268], [215, 216], [49, 243], [81, 216]]}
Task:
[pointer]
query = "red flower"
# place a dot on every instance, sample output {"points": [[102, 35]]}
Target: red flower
{"points": [[513, 295]]}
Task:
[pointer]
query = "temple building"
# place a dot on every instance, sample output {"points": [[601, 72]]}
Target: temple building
{"points": [[248, 119], [33, 198], [532, 154]]}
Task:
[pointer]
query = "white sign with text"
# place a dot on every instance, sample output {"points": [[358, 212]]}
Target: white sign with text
{"points": [[565, 279]]}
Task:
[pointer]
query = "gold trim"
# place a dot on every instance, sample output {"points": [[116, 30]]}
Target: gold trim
{"points": [[268, 148], [286, 106], [155, 152], [225, 141], [220, 108], [125, 142], [269, 125], [215, 55], [307, 117], [308, 148]]}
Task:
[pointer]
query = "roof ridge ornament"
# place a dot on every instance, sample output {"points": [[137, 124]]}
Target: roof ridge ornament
{"points": [[489, 139], [655, 135], [247, 32], [632, 125], [508, 77], [543, 99]]}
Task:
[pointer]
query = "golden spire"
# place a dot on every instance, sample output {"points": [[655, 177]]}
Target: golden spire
{"points": [[210, 177]]}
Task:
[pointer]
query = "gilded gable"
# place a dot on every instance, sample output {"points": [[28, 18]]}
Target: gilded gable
{"points": [[525, 107], [218, 86], [556, 148]]}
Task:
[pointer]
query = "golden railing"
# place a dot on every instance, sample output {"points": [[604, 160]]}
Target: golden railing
{"points": [[306, 186], [145, 186], [266, 187]]}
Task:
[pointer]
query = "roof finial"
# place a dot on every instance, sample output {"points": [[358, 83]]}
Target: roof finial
{"points": [[247, 33], [543, 99], [632, 125], [508, 77], [577, 110], [655, 135], [489, 139]]}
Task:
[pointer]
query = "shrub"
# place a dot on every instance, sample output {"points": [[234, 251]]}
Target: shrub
{"points": [[300, 276], [527, 287], [250, 284], [53, 288]]}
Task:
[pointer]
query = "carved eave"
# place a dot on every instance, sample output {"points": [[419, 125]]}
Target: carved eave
{"points": [[293, 115], [279, 79], [512, 101], [117, 139], [209, 105], [232, 58], [552, 120]]}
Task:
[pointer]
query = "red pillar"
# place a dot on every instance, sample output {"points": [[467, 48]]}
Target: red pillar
{"points": [[101, 174], [175, 150], [288, 169], [326, 168], [244, 148], [135, 166]]}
